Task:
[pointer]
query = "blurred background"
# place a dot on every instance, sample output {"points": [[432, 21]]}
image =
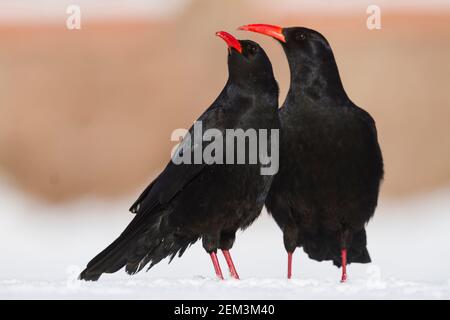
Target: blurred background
{"points": [[90, 111], [87, 114]]}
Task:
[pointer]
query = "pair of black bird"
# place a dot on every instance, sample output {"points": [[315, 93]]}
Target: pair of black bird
{"points": [[324, 193]]}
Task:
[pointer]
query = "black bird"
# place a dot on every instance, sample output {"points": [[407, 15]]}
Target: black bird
{"points": [[188, 202], [331, 165]]}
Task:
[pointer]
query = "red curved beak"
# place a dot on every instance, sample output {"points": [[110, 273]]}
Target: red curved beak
{"points": [[267, 29], [231, 41]]}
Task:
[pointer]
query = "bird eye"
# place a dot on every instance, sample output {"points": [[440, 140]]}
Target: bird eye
{"points": [[252, 49], [300, 36]]}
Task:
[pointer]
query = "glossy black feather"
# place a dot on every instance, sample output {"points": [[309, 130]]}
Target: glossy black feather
{"points": [[330, 162], [209, 202]]}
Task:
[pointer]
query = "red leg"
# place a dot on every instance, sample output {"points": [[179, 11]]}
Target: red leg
{"points": [[215, 262], [289, 265], [344, 265], [230, 263]]}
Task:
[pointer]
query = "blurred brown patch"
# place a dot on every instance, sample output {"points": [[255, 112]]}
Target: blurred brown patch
{"points": [[90, 112]]}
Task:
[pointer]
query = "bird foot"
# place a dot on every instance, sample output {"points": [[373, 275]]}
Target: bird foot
{"points": [[289, 273], [344, 265], [230, 263], [216, 265]]}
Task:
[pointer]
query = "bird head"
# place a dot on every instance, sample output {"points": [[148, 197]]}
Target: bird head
{"points": [[247, 61], [311, 60], [300, 44]]}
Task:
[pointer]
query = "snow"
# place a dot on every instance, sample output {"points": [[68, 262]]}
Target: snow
{"points": [[45, 247]]}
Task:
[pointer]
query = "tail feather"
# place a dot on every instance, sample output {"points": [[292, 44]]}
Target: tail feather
{"points": [[143, 243], [110, 260], [169, 246]]}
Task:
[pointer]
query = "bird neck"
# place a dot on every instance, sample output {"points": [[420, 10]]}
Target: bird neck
{"points": [[316, 81], [260, 85], [253, 81]]}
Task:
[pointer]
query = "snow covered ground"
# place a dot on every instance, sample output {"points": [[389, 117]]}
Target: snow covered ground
{"points": [[43, 248]]}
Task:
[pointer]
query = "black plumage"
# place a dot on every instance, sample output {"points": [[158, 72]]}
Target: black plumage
{"points": [[188, 202], [331, 164]]}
